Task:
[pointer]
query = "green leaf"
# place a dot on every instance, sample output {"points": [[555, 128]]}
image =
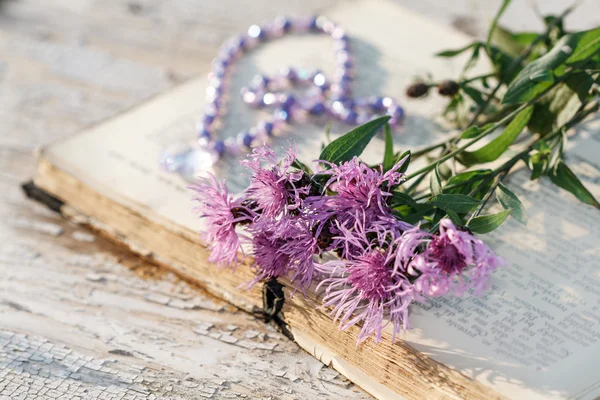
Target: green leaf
{"points": [[560, 104], [534, 78], [455, 218], [512, 43], [578, 86], [538, 160], [505, 4], [474, 94], [458, 203], [503, 64], [542, 76], [401, 199], [473, 59], [498, 146], [556, 24], [471, 132], [435, 183], [481, 182], [413, 215], [587, 46], [352, 143], [301, 166], [474, 177], [452, 53], [563, 177], [525, 38], [408, 209], [453, 106], [388, 154], [510, 201], [542, 119], [406, 163], [466, 176], [487, 223], [537, 163]]}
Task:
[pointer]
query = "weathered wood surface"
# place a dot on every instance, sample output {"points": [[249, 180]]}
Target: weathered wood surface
{"points": [[78, 317]]}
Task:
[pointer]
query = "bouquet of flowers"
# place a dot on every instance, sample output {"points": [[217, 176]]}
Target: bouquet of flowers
{"points": [[369, 236]]}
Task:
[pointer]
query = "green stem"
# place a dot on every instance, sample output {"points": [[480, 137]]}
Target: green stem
{"points": [[468, 80], [445, 156], [428, 149], [595, 106], [476, 78], [471, 142], [488, 194], [516, 62], [416, 183]]}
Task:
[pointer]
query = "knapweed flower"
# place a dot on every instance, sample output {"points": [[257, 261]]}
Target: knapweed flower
{"points": [[365, 287], [285, 247], [221, 214], [267, 240], [358, 187], [451, 261], [275, 185]]}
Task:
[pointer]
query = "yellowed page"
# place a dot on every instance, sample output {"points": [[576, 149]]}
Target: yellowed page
{"points": [[518, 339]]}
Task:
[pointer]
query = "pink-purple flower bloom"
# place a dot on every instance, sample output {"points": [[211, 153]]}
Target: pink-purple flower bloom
{"points": [[285, 248], [221, 214], [274, 185], [267, 241], [365, 287], [451, 261], [358, 186]]}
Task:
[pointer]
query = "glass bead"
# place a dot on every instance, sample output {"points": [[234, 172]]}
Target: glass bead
{"points": [[246, 138], [269, 99], [318, 109], [321, 81], [187, 160], [232, 147], [283, 23], [256, 32], [376, 104], [290, 74]]}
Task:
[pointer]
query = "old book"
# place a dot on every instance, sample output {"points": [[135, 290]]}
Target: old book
{"points": [[534, 335]]}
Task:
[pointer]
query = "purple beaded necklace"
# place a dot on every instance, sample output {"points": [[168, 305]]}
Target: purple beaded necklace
{"points": [[322, 97]]}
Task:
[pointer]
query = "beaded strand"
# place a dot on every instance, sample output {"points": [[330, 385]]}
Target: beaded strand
{"points": [[332, 98]]}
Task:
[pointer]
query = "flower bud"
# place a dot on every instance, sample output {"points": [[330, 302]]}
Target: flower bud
{"points": [[418, 89], [448, 88]]}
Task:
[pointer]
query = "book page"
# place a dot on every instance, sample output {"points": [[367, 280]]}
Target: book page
{"points": [[534, 335]]}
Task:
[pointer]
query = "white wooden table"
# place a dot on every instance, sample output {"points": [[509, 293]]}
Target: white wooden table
{"points": [[80, 318]]}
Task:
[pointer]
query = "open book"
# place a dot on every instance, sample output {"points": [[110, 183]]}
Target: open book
{"points": [[534, 335]]}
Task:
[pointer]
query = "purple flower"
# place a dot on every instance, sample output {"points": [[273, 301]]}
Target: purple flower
{"points": [[452, 261], [285, 247], [359, 187], [365, 287], [301, 247], [274, 185], [267, 240], [221, 214]]}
